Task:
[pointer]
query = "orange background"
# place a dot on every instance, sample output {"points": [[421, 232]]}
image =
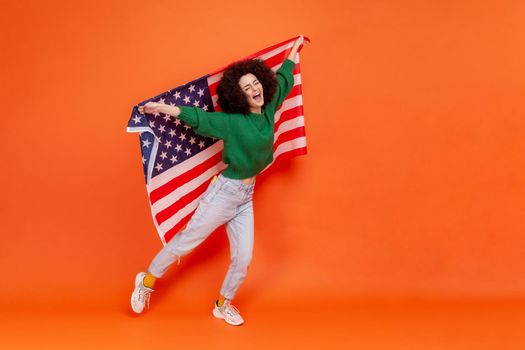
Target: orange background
{"points": [[412, 190]]}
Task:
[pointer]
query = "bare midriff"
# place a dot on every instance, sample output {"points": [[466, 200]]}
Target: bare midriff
{"points": [[248, 181]]}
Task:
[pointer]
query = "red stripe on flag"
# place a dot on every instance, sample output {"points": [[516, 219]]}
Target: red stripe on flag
{"points": [[262, 52], [288, 115], [186, 177], [173, 231], [289, 135], [291, 154], [213, 88], [168, 212], [295, 91], [277, 59]]}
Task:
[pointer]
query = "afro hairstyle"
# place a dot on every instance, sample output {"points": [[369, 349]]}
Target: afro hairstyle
{"points": [[231, 97]]}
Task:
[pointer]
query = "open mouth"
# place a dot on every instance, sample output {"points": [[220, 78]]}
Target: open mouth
{"points": [[257, 97]]}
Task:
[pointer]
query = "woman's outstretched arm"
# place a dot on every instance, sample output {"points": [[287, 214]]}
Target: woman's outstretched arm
{"points": [[295, 48], [209, 124], [152, 107]]}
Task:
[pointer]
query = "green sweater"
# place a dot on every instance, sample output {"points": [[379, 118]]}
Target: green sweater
{"points": [[248, 138]]}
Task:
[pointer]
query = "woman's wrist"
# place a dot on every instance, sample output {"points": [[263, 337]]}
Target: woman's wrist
{"points": [[295, 48], [167, 109], [161, 107]]}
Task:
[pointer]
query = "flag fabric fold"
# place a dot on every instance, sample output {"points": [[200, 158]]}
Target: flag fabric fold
{"points": [[178, 164]]}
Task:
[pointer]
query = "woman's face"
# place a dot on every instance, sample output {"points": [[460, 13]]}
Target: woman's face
{"points": [[253, 90]]}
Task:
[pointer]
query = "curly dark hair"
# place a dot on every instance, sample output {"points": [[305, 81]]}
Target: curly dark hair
{"points": [[231, 97]]}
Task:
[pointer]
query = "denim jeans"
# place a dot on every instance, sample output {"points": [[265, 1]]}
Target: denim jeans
{"points": [[226, 201]]}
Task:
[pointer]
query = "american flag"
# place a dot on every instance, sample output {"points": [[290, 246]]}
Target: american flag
{"points": [[179, 164]]}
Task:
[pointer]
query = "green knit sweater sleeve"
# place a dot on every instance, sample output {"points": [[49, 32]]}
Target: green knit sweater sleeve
{"points": [[209, 124], [285, 83]]}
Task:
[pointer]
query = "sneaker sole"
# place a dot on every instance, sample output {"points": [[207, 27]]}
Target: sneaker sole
{"points": [[138, 279], [218, 315]]}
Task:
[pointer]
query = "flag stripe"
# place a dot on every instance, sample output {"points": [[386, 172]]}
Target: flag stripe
{"points": [[164, 178], [184, 178], [181, 203], [172, 222], [289, 135], [192, 185], [292, 113], [287, 105], [290, 154], [290, 125], [175, 229], [270, 51], [295, 147], [290, 146]]}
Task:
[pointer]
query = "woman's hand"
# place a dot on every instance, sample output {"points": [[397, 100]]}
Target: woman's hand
{"points": [[301, 40], [298, 42], [150, 107]]}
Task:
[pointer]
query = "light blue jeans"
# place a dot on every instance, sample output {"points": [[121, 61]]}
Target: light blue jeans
{"points": [[226, 201]]}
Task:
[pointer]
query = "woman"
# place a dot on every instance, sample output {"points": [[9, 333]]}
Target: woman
{"points": [[249, 94]]}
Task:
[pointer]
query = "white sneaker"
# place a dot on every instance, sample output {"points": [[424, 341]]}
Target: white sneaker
{"points": [[228, 313], [141, 294]]}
